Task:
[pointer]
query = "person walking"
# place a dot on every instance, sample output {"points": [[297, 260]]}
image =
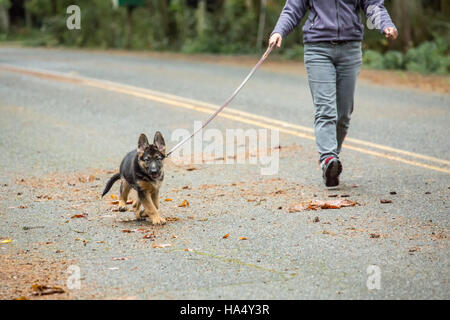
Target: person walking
{"points": [[332, 39]]}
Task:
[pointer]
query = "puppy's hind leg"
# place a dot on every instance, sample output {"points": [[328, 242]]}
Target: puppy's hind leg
{"points": [[124, 191]]}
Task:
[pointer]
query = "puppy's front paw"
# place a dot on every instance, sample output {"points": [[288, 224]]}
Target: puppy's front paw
{"points": [[122, 206], [157, 220], [139, 214]]}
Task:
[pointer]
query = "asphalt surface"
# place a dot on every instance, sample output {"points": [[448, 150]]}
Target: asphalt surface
{"points": [[61, 140]]}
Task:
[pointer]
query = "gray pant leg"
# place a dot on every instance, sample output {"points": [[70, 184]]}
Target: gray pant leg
{"points": [[319, 62], [348, 66]]}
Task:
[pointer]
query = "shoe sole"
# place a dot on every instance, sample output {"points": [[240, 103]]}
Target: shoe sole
{"points": [[332, 174]]}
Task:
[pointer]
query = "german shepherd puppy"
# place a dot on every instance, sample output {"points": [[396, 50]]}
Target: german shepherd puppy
{"points": [[142, 170]]}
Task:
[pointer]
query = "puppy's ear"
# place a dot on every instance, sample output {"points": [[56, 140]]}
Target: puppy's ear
{"points": [[158, 141], [142, 144]]}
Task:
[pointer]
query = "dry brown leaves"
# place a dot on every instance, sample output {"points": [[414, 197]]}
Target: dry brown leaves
{"points": [[184, 204], [162, 245], [41, 290], [319, 204]]}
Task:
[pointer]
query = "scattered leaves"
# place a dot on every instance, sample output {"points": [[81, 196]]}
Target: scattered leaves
{"points": [[114, 197], [226, 236], [243, 238], [40, 290], [168, 199], [121, 258], [5, 241], [318, 204], [172, 219], [78, 216], [316, 219], [185, 203], [374, 235], [150, 236], [385, 201], [164, 245]]}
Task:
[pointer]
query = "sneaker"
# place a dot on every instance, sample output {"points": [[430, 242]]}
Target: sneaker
{"points": [[331, 168]]}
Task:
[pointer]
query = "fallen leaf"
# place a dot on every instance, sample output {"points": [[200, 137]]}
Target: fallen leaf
{"points": [[188, 250], [172, 219], [385, 201], [185, 203], [168, 199], [128, 231], [77, 216], [226, 236], [40, 290], [115, 202], [243, 238], [5, 241], [22, 206], [165, 245], [149, 236], [374, 235], [329, 232], [316, 219], [318, 204], [114, 197], [121, 258]]}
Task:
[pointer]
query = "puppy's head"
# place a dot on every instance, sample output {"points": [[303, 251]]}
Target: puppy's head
{"points": [[151, 156]]}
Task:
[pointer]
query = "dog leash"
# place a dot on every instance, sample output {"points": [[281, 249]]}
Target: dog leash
{"points": [[227, 102]]}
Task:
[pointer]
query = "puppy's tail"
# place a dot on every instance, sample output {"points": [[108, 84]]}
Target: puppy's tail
{"points": [[110, 183]]}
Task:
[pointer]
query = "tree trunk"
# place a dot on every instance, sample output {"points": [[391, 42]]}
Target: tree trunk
{"points": [[129, 27], [445, 8], [201, 18], [4, 18], [401, 16], [261, 24]]}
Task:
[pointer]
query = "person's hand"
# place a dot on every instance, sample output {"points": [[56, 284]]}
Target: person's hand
{"points": [[275, 39], [391, 33]]}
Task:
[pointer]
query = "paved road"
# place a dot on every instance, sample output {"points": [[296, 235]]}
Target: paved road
{"points": [[68, 118]]}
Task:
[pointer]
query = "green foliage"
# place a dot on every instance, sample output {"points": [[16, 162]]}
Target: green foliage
{"points": [[429, 57], [393, 60], [229, 27], [373, 59], [294, 53]]}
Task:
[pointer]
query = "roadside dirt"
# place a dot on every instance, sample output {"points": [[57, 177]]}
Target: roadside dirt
{"points": [[24, 275], [388, 78]]}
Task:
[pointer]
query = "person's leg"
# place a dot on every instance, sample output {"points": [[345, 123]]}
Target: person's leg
{"points": [[322, 82], [348, 66]]}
